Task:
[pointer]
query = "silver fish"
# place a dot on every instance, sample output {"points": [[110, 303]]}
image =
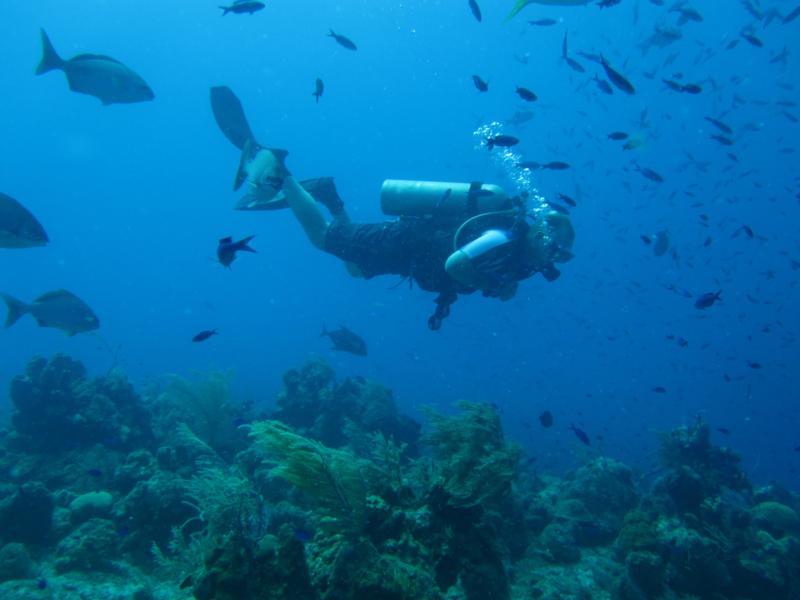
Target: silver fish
{"points": [[59, 309], [18, 227]]}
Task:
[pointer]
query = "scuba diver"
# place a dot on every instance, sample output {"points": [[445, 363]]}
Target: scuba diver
{"points": [[451, 238]]}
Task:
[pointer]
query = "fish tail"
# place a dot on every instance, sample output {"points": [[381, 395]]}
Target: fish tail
{"points": [[225, 10], [16, 309], [50, 58], [243, 244], [517, 7]]}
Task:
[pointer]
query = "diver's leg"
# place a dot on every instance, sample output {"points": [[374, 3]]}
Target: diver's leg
{"points": [[306, 211]]}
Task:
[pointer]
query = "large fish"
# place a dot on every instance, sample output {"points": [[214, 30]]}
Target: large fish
{"points": [[18, 227], [520, 4], [345, 340], [96, 75], [59, 309]]}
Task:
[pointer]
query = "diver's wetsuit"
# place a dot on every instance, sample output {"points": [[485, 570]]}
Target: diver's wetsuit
{"points": [[415, 247]]}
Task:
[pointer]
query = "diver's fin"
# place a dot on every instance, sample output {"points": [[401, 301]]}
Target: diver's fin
{"points": [[230, 117], [517, 7], [50, 58], [16, 309], [249, 150]]}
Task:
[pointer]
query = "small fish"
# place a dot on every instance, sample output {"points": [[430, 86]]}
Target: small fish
{"points": [[502, 141], [59, 309], [476, 10], [204, 335], [580, 434], [650, 174], [603, 86], [543, 22], [546, 419], [754, 365], [319, 88], [725, 141], [574, 65], [659, 389], [619, 81], [724, 430], [18, 227], [103, 77], [242, 7], [567, 200], [720, 125], [526, 94], [791, 16], [342, 40], [617, 136], [345, 340], [227, 249], [752, 39], [556, 165], [692, 88], [480, 83], [673, 85], [707, 300], [646, 239]]}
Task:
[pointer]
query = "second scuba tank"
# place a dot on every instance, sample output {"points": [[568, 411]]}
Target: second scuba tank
{"points": [[401, 197]]}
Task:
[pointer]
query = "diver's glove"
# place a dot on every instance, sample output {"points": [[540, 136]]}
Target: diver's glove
{"points": [[550, 273], [443, 302]]}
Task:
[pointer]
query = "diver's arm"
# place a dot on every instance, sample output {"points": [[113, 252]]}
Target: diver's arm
{"points": [[306, 211]]}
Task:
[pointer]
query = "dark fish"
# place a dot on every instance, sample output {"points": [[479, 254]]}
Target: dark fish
{"points": [[791, 16], [18, 227], [319, 87], [476, 10], [650, 174], [342, 41], [720, 125], [603, 86], [616, 78], [230, 117], [59, 309], [673, 85], [574, 65], [103, 77], [617, 136], [752, 39], [725, 141], [543, 22], [568, 200], [581, 435], [556, 165], [345, 340], [227, 249], [661, 244], [242, 7], [748, 231], [646, 239], [707, 300], [659, 389], [546, 419], [204, 335], [692, 88], [724, 430], [503, 141], [754, 365], [480, 84], [526, 94]]}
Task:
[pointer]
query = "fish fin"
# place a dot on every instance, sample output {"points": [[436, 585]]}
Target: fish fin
{"points": [[517, 7], [16, 309], [226, 240], [50, 59], [225, 10], [242, 245], [249, 149]]}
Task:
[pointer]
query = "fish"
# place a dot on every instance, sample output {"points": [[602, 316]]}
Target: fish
{"points": [[520, 4], [503, 141], [96, 75], [568, 200], [543, 22], [603, 85], [94, 472], [619, 81], [572, 63], [476, 10], [649, 174], [580, 434], [59, 309], [724, 128], [661, 244], [617, 136], [526, 94], [659, 389], [319, 87], [18, 227], [791, 16], [242, 7], [725, 141], [707, 300], [546, 419], [692, 88], [752, 39], [227, 249], [204, 335], [556, 165], [342, 40], [724, 430], [646, 240], [480, 83], [345, 340], [753, 365]]}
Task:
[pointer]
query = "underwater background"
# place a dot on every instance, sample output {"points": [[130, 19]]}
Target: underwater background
{"points": [[135, 197]]}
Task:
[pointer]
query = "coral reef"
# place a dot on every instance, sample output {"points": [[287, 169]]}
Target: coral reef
{"points": [[185, 493]]}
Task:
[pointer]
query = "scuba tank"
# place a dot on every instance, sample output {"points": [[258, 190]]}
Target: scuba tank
{"points": [[404, 198]]}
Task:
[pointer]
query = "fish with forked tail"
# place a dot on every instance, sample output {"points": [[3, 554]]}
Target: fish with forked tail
{"points": [[227, 249], [59, 309], [345, 340]]}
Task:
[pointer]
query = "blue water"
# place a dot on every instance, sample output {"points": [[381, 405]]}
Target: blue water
{"points": [[134, 198]]}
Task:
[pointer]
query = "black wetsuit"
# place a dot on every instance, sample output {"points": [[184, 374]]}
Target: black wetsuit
{"points": [[414, 247]]}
